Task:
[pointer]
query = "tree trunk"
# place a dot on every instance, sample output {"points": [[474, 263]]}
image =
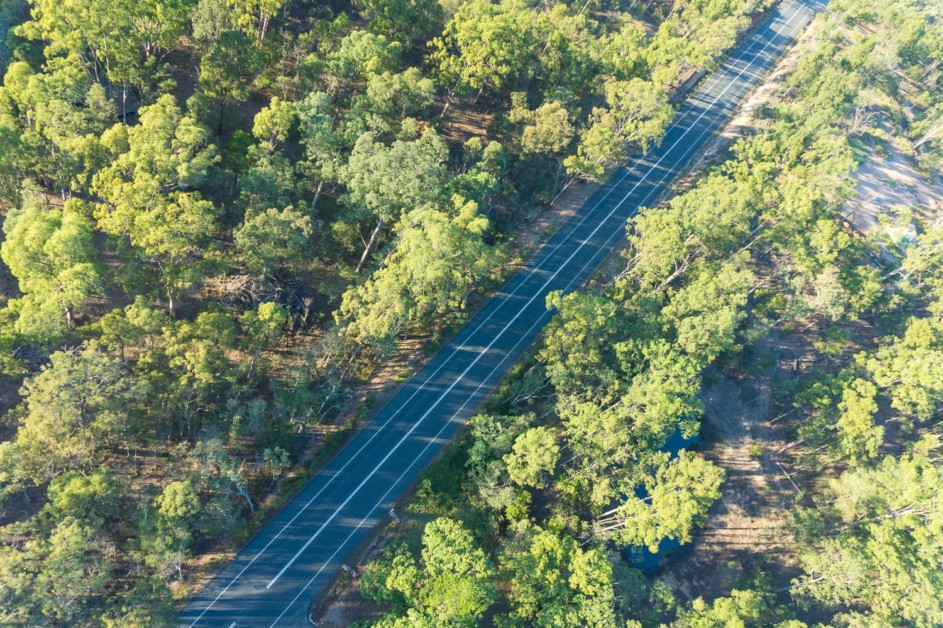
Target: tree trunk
{"points": [[370, 245], [219, 127], [317, 195], [448, 100]]}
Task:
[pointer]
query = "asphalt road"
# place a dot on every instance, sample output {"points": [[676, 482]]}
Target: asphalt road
{"points": [[273, 579]]}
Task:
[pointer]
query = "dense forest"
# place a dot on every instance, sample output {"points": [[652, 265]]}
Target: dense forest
{"points": [[220, 217], [537, 516]]}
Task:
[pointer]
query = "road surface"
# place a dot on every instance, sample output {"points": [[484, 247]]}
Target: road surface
{"points": [[273, 579]]}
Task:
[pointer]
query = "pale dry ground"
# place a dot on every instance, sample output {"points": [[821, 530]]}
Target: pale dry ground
{"points": [[887, 183]]}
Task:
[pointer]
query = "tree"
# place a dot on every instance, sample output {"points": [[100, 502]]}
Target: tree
{"points": [[578, 344], [167, 151], [146, 191], [321, 139], [880, 546], [554, 582], [53, 257], [535, 455], [909, 369], [663, 396], [707, 224], [547, 130], [172, 236], [76, 406], [403, 20], [859, 438], [263, 327], [273, 239], [637, 115], [148, 602], [268, 180], [56, 117], [254, 16], [96, 498], [693, 36], [437, 260], [705, 313], [396, 96], [72, 576], [675, 498], [114, 41], [273, 123], [742, 608], [210, 18], [622, 53], [452, 586], [384, 183], [228, 70], [359, 54], [485, 45]]}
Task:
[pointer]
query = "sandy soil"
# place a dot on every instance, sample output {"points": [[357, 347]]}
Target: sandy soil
{"points": [[886, 183]]}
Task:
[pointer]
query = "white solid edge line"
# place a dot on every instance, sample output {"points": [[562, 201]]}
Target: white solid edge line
{"points": [[612, 186], [429, 444]]}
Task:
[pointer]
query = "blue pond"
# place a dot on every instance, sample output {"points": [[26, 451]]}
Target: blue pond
{"points": [[641, 557]]}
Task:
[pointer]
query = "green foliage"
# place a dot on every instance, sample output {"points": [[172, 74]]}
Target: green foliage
{"points": [[119, 42], [402, 20], [254, 16], [741, 608], [96, 498], [485, 45], [547, 129], [436, 262], [636, 117], [273, 240], [535, 454], [147, 190], [451, 585], [881, 556], [53, 257], [556, 582], [677, 496], [62, 578], [228, 69], [72, 410], [910, 368]]}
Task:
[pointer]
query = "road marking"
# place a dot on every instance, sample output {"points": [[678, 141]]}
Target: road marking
{"points": [[482, 352], [714, 78]]}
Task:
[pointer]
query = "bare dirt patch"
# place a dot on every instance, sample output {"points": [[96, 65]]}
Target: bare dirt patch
{"points": [[742, 435], [888, 180]]}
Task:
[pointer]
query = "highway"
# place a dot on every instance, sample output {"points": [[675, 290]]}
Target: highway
{"points": [[275, 576]]}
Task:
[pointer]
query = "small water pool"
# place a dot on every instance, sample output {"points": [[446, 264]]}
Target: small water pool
{"points": [[640, 556]]}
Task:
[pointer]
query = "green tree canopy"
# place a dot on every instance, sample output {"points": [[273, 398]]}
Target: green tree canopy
{"points": [[52, 255], [437, 260]]}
